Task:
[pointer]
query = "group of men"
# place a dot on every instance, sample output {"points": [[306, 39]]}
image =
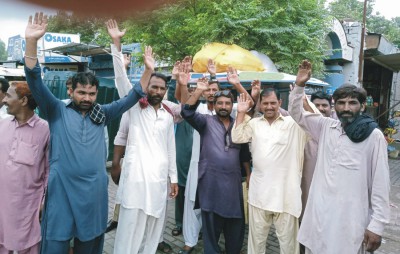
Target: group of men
{"points": [[331, 176]]}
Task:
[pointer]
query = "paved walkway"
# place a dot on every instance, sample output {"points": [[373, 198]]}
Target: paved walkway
{"points": [[391, 236]]}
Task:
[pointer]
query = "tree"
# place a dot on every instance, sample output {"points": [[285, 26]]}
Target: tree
{"points": [[287, 31], [3, 51], [90, 28], [375, 23]]}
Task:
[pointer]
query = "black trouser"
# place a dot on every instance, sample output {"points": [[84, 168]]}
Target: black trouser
{"points": [[214, 225], [179, 206]]}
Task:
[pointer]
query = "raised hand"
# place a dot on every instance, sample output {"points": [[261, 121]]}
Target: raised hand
{"points": [[202, 84], [243, 103], [183, 74], [36, 28], [255, 87], [232, 76], [175, 70], [187, 61], [148, 58], [211, 68], [304, 73], [113, 30]]}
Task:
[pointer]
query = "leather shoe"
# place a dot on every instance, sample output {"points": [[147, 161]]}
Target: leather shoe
{"points": [[111, 225], [176, 231], [186, 250]]}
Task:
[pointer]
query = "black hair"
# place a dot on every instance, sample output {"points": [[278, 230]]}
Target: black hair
{"points": [[161, 76], [352, 91], [4, 85], [69, 81], [322, 96], [223, 93], [84, 78], [269, 91]]}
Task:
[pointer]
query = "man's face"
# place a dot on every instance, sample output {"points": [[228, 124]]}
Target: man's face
{"points": [[13, 102], [209, 93], [270, 106], [223, 106], [347, 109], [156, 90], [323, 106], [84, 96]]}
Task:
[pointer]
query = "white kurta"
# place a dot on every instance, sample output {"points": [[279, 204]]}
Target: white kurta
{"points": [[350, 188], [150, 152], [278, 153]]}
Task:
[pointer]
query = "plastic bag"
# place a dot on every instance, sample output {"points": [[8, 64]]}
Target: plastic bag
{"points": [[226, 55]]}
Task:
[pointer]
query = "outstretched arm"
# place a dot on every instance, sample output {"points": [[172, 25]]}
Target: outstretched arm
{"points": [[119, 62], [195, 119], [115, 33], [183, 78], [149, 64], [202, 85], [233, 79], [242, 132], [35, 29], [311, 123]]}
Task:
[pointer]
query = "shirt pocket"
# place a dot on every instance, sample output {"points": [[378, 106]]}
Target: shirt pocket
{"points": [[26, 153], [350, 158], [280, 137]]}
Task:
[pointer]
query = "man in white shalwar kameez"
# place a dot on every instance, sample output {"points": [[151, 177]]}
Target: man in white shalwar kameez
{"points": [[149, 158], [348, 202]]}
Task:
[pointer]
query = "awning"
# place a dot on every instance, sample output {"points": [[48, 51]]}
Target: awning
{"points": [[391, 61], [264, 77], [12, 72], [79, 49]]}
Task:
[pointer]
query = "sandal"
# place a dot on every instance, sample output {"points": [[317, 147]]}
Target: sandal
{"points": [[164, 247], [187, 251], [176, 231]]}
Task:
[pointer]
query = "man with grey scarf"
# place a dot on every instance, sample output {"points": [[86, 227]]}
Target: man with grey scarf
{"points": [[348, 203]]}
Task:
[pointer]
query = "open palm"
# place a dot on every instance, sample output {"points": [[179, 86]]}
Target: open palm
{"points": [[36, 27], [243, 104], [148, 58], [232, 76], [304, 73], [113, 29]]}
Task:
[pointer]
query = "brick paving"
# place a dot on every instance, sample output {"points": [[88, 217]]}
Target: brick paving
{"points": [[391, 236]]}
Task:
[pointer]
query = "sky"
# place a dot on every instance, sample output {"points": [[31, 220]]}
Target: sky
{"points": [[14, 15]]}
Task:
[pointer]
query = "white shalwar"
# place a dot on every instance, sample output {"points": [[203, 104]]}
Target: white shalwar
{"points": [[149, 160]]}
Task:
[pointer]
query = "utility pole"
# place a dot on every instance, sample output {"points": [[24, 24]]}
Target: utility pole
{"points": [[361, 57]]}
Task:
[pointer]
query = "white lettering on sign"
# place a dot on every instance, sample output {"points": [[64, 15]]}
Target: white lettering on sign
{"points": [[59, 39]]}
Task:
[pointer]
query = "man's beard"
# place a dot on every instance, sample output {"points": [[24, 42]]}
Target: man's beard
{"points": [[222, 113], [84, 105], [154, 99], [345, 120]]}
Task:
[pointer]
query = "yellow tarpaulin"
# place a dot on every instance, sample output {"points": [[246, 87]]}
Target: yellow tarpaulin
{"points": [[226, 55]]}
